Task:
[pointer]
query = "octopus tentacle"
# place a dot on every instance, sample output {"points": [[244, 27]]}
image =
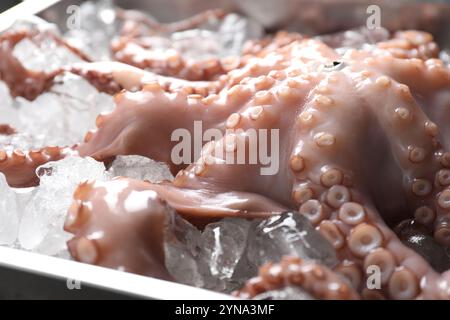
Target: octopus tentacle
{"points": [[136, 113], [431, 92], [139, 54], [112, 77], [368, 242], [30, 84], [317, 280], [141, 211], [22, 82], [135, 47], [176, 66], [19, 166], [132, 20], [7, 130], [126, 235], [410, 44]]}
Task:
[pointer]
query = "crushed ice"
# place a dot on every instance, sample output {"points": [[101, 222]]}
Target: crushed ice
{"points": [[59, 117], [140, 168], [33, 218]]}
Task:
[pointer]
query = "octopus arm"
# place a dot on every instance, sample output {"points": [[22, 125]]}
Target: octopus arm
{"points": [[121, 223], [19, 167], [158, 116]]}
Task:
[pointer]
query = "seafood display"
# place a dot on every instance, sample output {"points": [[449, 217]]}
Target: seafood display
{"points": [[267, 166]]}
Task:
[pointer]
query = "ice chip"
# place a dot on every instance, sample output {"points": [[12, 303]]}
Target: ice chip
{"points": [[224, 243], [9, 113], [444, 55], [140, 168], [9, 217], [355, 38], [181, 251], [228, 252], [41, 226], [64, 115], [288, 234], [47, 55], [219, 38], [21, 141], [96, 29]]}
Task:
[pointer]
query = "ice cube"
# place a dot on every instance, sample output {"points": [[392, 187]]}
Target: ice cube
{"points": [[9, 218], [288, 234], [140, 168], [444, 55], [228, 252], [97, 26], [235, 30], [60, 117], [23, 196], [219, 38], [21, 141], [224, 243], [46, 55], [64, 115], [9, 114], [41, 227], [355, 38], [181, 251]]}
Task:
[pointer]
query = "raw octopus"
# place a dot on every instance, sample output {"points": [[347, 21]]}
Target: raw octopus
{"points": [[363, 147]]}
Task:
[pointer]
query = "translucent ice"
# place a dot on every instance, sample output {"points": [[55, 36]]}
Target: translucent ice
{"points": [[47, 55], [444, 55], [182, 249], [21, 141], [41, 227], [59, 117], [94, 29], [224, 243], [9, 217], [218, 38], [215, 38], [355, 38], [65, 114], [227, 253], [141, 168], [35, 216], [288, 234]]}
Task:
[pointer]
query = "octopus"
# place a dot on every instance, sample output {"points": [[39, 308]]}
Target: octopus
{"points": [[363, 150]]}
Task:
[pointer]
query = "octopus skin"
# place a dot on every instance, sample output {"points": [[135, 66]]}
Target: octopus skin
{"points": [[343, 157], [317, 280], [132, 241], [22, 82], [137, 24], [362, 146], [19, 166], [137, 45]]}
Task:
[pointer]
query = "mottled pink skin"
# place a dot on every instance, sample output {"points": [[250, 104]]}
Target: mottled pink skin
{"points": [[354, 135]]}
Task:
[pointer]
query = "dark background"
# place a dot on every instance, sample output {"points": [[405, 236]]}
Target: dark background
{"points": [[6, 4]]}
